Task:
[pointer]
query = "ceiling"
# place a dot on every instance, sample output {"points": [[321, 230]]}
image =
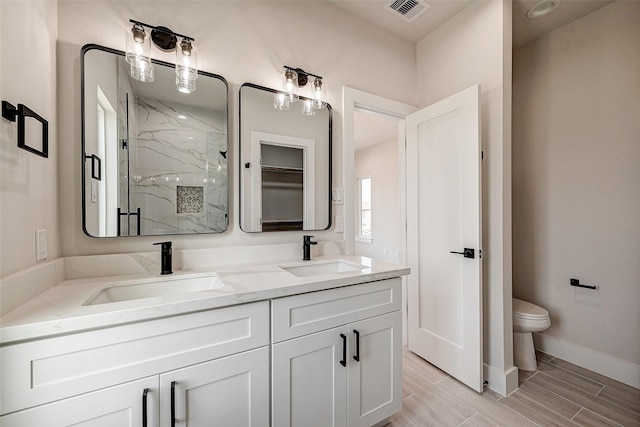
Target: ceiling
{"points": [[524, 29], [371, 129]]}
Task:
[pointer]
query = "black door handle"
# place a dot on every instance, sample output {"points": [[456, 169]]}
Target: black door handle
{"points": [[343, 362], [356, 357], [468, 253]]}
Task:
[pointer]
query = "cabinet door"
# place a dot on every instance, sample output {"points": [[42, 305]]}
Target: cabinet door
{"points": [[120, 406], [309, 383], [375, 379], [231, 391]]}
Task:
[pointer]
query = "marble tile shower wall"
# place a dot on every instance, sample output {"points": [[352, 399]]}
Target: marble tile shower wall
{"points": [[175, 146]]}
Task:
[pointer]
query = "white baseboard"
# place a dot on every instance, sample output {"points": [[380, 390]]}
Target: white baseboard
{"points": [[502, 382], [609, 366]]}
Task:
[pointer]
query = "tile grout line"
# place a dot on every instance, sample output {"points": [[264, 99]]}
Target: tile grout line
{"points": [[518, 413], [549, 409], [578, 375], [596, 394], [468, 418], [581, 406]]}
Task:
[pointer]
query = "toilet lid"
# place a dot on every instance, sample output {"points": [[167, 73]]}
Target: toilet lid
{"points": [[526, 310]]}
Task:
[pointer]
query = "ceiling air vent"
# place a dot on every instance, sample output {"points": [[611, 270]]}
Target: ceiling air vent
{"points": [[409, 10]]}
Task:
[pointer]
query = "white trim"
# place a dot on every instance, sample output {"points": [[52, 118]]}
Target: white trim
{"points": [[604, 364], [352, 100], [502, 382]]}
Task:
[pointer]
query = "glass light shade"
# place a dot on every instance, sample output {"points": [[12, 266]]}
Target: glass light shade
{"points": [[318, 94], [137, 54], [280, 101], [307, 108], [186, 67], [142, 70], [290, 84]]}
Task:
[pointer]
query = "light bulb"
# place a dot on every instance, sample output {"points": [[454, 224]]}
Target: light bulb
{"points": [[186, 67], [137, 54], [318, 94], [290, 85]]}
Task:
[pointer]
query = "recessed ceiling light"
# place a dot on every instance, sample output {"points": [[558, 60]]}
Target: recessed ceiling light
{"points": [[182, 117], [542, 8]]}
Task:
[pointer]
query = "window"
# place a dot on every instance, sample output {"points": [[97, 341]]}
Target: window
{"points": [[365, 231]]}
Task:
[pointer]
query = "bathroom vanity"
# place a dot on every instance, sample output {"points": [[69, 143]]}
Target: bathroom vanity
{"points": [[282, 344]]}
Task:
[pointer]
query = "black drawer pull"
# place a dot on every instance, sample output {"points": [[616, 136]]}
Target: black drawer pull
{"points": [[343, 362], [173, 404], [144, 407], [356, 357]]}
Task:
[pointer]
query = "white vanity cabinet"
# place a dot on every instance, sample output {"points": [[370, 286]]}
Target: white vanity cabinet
{"points": [[216, 360], [336, 357], [114, 406], [232, 391]]}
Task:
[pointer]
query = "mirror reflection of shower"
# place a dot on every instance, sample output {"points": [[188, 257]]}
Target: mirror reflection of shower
{"points": [[155, 158]]}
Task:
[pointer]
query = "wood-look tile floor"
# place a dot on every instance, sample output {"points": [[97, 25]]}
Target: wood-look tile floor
{"points": [[557, 394]]}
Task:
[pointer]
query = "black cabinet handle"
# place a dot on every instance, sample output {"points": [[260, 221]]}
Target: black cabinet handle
{"points": [[144, 407], [356, 357], [343, 362], [173, 404]]}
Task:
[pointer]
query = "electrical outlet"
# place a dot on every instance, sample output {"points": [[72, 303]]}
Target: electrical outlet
{"points": [[41, 244], [339, 224]]}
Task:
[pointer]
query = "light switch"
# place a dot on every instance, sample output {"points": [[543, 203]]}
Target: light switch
{"points": [[41, 244], [337, 196], [94, 192]]}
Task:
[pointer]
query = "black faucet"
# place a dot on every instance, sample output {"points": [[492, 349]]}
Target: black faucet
{"points": [[306, 247], [165, 257]]}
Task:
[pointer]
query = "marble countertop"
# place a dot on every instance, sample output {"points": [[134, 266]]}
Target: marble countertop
{"points": [[60, 310]]}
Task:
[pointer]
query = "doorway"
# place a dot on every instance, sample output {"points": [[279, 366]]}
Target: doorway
{"points": [[358, 107]]}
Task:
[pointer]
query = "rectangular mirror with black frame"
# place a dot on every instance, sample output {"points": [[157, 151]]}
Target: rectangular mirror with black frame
{"points": [[154, 159], [285, 164]]}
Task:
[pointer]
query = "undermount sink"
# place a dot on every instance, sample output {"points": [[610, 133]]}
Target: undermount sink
{"points": [[154, 287], [316, 268]]}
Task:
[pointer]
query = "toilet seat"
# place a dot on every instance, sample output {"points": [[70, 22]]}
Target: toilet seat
{"points": [[528, 311], [529, 317]]}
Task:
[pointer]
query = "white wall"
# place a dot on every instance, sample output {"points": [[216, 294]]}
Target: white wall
{"points": [[28, 183], [244, 42], [576, 180], [380, 163], [474, 47]]}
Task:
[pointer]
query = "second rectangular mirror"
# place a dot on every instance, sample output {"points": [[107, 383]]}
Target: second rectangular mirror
{"points": [[285, 164]]}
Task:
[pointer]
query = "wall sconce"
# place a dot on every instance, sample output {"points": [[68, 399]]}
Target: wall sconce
{"points": [[293, 79], [138, 45]]}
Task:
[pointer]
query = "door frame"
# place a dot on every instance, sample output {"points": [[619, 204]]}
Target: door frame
{"points": [[356, 100]]}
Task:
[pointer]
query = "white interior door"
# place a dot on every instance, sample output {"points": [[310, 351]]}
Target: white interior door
{"points": [[444, 216]]}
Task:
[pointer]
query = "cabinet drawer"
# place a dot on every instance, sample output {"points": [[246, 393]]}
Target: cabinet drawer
{"points": [[41, 371], [304, 314]]}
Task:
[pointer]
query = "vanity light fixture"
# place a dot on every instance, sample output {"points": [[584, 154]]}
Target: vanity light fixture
{"points": [[292, 80], [138, 45]]}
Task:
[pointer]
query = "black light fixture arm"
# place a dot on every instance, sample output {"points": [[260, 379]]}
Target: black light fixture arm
{"points": [[302, 75], [162, 29]]}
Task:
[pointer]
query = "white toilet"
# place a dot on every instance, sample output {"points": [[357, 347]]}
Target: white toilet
{"points": [[527, 318]]}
